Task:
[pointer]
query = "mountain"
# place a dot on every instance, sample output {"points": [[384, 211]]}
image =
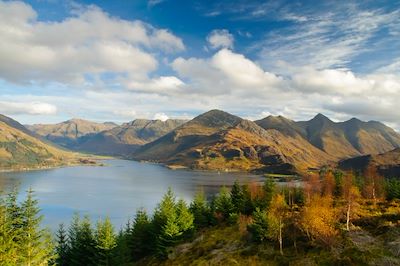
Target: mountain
{"points": [[124, 139], [388, 163], [67, 133], [217, 140], [20, 148], [340, 140]]}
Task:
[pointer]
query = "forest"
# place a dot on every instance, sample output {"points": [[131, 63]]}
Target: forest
{"points": [[321, 220]]}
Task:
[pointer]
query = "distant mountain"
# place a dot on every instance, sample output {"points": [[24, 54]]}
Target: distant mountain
{"points": [[217, 140], [67, 133], [340, 140], [388, 163], [20, 148], [125, 139]]}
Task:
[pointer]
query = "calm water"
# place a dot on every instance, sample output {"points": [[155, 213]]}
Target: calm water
{"points": [[117, 189]]}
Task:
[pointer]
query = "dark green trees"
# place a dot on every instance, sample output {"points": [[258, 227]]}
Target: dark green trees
{"points": [[201, 211]]}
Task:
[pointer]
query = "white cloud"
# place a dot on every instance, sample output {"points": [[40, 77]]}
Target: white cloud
{"points": [[220, 39], [31, 108], [160, 116], [91, 42], [161, 85], [225, 72], [125, 113]]}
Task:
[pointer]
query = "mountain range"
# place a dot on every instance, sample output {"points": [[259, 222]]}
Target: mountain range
{"points": [[217, 140]]}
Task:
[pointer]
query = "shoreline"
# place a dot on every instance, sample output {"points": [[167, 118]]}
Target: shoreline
{"points": [[79, 162]]}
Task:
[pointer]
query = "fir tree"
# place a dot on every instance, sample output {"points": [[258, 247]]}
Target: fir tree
{"points": [[36, 247], [82, 242], [237, 198], [141, 241], [259, 227], [62, 247], [105, 242], [184, 218], [8, 236], [223, 204], [200, 210]]}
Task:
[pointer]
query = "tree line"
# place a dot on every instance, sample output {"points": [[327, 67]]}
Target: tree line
{"points": [[319, 209]]}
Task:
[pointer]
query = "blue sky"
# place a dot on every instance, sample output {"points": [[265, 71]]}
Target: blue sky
{"points": [[121, 60]]}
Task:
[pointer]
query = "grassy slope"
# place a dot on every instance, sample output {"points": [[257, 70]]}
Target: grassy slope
{"points": [[19, 150], [374, 240]]}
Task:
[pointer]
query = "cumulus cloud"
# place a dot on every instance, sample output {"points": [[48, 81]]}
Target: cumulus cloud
{"points": [[225, 72], [91, 42], [30, 108], [160, 116], [161, 85], [220, 39]]}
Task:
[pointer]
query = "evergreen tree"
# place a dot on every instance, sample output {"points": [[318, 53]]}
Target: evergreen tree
{"points": [[185, 218], [140, 240], [62, 247], [223, 204], [248, 202], [172, 221], [269, 191], [36, 247], [237, 198], [200, 210], [259, 227], [105, 242], [82, 242], [8, 236]]}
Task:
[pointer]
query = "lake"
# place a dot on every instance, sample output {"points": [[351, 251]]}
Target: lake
{"points": [[116, 190]]}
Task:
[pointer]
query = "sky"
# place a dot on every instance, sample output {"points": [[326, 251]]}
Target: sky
{"points": [[159, 59]]}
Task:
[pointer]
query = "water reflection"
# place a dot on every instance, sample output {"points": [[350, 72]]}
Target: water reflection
{"points": [[117, 189]]}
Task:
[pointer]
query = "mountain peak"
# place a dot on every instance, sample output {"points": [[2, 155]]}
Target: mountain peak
{"points": [[217, 118], [320, 116]]}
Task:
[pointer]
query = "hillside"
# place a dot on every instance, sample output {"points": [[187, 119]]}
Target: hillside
{"points": [[20, 149], [217, 140], [340, 140], [125, 139], [388, 163], [68, 132]]}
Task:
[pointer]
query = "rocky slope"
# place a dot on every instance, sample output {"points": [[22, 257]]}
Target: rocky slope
{"points": [[340, 140], [125, 139], [217, 140], [67, 133]]}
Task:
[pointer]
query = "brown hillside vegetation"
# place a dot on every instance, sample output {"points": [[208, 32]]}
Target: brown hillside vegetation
{"points": [[66, 133], [19, 149], [218, 141], [125, 139], [388, 163]]}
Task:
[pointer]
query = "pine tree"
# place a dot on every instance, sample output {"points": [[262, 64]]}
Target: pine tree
{"points": [[185, 218], [140, 240], [223, 204], [172, 221], [62, 247], [237, 198], [269, 191], [259, 227], [36, 247], [82, 242], [8, 236], [105, 242], [200, 210]]}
